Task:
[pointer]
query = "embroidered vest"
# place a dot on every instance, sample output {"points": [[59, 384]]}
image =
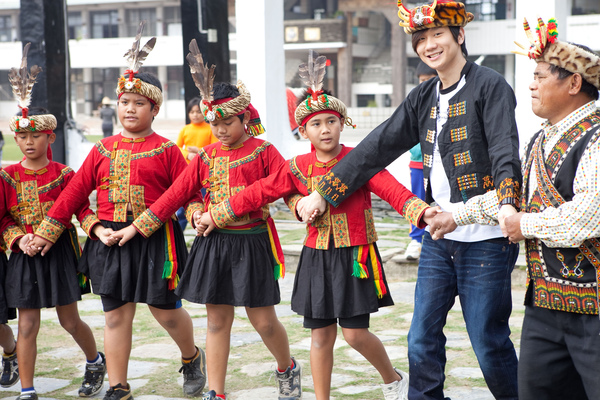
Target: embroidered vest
{"points": [[563, 278]]}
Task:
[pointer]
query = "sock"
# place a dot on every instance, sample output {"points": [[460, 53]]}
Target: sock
{"points": [[97, 360], [8, 354], [189, 360], [291, 367], [221, 396], [28, 390]]}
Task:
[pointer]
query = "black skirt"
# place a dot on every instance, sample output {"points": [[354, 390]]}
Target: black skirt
{"points": [[325, 288], [133, 272], [48, 281], [232, 269], [6, 313]]}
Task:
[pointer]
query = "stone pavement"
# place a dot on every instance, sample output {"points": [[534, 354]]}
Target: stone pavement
{"points": [[345, 381]]}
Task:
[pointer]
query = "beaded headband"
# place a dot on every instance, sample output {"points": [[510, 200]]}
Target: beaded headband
{"points": [[22, 81], [545, 47], [312, 74], [135, 57]]}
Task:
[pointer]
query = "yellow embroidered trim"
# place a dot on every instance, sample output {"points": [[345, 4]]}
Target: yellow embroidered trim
{"points": [[341, 233], [192, 208], [292, 201], [221, 216], [147, 223], [328, 164], [413, 209], [370, 226], [129, 140], [11, 234], [36, 173], [50, 229], [229, 148], [88, 223]]}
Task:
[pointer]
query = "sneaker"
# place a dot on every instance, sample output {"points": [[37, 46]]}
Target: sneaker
{"points": [[118, 393], [210, 395], [10, 370], [28, 396], [396, 390], [194, 375], [413, 250], [93, 378], [289, 381]]}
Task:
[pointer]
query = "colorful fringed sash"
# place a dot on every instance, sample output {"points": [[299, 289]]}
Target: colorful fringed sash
{"points": [[261, 227], [81, 278], [170, 266], [362, 255]]}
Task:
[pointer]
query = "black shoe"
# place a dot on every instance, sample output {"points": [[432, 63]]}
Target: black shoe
{"points": [[118, 393], [28, 396], [194, 374], [10, 370], [93, 378]]}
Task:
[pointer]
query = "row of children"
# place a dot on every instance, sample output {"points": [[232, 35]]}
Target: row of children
{"points": [[141, 179]]}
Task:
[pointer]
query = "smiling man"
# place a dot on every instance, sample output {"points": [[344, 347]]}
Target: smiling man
{"points": [[464, 121]]}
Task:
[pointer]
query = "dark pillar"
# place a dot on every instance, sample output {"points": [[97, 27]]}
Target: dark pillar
{"points": [[213, 40], [43, 24]]}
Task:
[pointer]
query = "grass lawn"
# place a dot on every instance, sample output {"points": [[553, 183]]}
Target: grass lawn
{"points": [[10, 151]]}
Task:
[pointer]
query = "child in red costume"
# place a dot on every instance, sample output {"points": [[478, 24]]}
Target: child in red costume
{"points": [[239, 266], [339, 276], [130, 171]]}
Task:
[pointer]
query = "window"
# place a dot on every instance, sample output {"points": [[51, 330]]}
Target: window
{"points": [[174, 86], [172, 21], [74, 25], [487, 10], [105, 24], [6, 93], [5, 28], [135, 16]]}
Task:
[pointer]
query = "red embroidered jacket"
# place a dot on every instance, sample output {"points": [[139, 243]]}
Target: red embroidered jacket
{"points": [[122, 171], [223, 171], [350, 223], [30, 195]]}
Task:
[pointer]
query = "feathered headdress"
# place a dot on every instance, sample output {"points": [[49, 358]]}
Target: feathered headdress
{"points": [[439, 13], [312, 74], [545, 47], [22, 81], [223, 108], [135, 57]]}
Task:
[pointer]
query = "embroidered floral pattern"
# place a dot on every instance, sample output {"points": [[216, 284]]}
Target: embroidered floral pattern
{"points": [[341, 233], [413, 209], [463, 158], [147, 223], [370, 226], [459, 134], [50, 229], [457, 109], [89, 221]]}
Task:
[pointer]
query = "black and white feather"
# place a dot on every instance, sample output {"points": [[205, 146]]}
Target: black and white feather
{"points": [[135, 56], [313, 72], [202, 75], [22, 81]]}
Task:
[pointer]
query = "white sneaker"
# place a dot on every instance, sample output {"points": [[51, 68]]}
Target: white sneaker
{"points": [[413, 250], [396, 390]]}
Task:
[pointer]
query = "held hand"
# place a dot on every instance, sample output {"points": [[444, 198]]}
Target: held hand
{"points": [[197, 218], [430, 213], [38, 244], [513, 227], [122, 236], [207, 223], [104, 235], [505, 211], [442, 223], [193, 149], [311, 206], [191, 156], [23, 243]]}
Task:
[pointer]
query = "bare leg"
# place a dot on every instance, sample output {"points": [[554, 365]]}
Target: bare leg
{"points": [[321, 359], [372, 349], [218, 334], [273, 334], [7, 339], [29, 326], [117, 342], [178, 325], [69, 319]]}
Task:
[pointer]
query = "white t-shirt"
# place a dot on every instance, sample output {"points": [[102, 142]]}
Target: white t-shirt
{"points": [[440, 188]]}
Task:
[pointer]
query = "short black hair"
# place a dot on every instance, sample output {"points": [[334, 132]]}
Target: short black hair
{"points": [[224, 90], [454, 30], [587, 88], [34, 111], [193, 103]]}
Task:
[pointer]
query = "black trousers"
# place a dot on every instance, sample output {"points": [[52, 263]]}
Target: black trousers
{"points": [[560, 356]]}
